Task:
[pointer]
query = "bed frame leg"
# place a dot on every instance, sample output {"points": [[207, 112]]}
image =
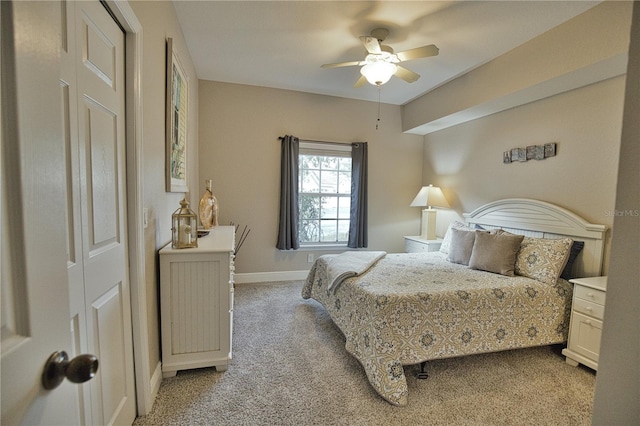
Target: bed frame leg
{"points": [[422, 374]]}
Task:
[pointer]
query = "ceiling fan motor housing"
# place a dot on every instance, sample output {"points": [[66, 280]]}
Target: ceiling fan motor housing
{"points": [[380, 33]]}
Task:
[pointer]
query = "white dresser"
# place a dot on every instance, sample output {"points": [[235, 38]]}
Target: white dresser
{"points": [[585, 330], [418, 245], [196, 303]]}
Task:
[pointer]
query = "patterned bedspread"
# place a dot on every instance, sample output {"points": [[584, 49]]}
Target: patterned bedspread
{"points": [[413, 307]]}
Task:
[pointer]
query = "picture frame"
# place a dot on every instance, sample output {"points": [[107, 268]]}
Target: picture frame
{"points": [[176, 126]]}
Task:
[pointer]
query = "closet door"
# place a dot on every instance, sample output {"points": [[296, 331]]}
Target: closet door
{"points": [[93, 77]]}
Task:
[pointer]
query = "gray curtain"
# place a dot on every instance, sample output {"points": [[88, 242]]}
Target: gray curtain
{"points": [[358, 235], [288, 222]]}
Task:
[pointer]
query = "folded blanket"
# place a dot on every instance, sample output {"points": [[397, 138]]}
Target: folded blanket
{"points": [[349, 264]]}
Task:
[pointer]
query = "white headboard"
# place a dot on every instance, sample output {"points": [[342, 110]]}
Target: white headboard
{"points": [[540, 219]]}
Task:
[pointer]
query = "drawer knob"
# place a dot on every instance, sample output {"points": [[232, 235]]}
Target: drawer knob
{"points": [[590, 294], [588, 322], [589, 308]]}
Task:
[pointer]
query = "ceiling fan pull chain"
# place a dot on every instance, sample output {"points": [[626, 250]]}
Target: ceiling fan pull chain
{"points": [[378, 122]]}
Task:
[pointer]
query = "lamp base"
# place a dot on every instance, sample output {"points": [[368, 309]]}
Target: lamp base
{"points": [[428, 231]]}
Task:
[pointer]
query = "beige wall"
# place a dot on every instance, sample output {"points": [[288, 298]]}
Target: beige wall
{"points": [[618, 384], [584, 119], [466, 160], [159, 22], [588, 48], [240, 151]]}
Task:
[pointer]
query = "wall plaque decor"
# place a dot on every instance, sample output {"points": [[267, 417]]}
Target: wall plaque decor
{"points": [[549, 150], [532, 152], [177, 91]]}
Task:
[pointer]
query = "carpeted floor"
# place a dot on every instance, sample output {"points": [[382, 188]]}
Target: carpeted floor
{"points": [[290, 368]]}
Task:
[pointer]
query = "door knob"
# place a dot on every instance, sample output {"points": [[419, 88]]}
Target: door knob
{"points": [[78, 370]]}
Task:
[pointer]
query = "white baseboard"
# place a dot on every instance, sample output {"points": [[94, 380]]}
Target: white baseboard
{"points": [[263, 277]]}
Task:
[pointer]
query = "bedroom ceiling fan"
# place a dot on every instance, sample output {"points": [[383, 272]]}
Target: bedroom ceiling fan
{"points": [[381, 62]]}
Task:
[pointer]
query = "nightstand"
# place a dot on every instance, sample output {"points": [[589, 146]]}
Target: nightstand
{"points": [[585, 330], [420, 245]]}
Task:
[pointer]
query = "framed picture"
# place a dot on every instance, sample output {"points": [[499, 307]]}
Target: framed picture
{"points": [[506, 157], [177, 92]]}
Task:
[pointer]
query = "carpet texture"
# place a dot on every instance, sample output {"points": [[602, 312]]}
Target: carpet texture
{"points": [[290, 368]]}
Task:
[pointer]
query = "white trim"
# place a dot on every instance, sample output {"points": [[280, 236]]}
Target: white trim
{"points": [[264, 277], [156, 379], [146, 386], [334, 148], [321, 247]]}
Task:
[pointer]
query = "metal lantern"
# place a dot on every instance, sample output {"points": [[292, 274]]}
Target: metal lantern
{"points": [[184, 230]]}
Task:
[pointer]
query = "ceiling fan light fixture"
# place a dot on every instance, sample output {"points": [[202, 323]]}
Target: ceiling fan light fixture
{"points": [[379, 72]]}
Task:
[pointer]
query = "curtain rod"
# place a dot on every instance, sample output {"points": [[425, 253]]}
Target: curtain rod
{"points": [[327, 142]]}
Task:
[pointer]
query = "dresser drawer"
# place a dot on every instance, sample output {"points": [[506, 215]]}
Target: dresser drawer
{"points": [[589, 308], [589, 294]]}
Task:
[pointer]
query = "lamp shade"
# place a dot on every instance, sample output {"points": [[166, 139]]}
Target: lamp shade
{"points": [[378, 72], [430, 196]]}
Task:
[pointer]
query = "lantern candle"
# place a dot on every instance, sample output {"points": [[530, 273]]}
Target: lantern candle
{"points": [[184, 223]]}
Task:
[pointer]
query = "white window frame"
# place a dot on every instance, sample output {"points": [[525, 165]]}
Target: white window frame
{"points": [[329, 149]]}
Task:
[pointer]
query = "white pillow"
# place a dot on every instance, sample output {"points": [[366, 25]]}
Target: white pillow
{"points": [[446, 242]]}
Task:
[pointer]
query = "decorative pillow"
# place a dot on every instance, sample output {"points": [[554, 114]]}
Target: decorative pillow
{"points": [[495, 252], [446, 241], [576, 248], [543, 259], [461, 246]]}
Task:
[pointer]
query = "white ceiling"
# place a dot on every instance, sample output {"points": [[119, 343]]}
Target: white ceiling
{"points": [[281, 44]]}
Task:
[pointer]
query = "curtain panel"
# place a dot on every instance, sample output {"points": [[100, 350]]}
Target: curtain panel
{"points": [[288, 221], [358, 234]]}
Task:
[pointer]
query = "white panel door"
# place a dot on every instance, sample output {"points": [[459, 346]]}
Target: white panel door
{"points": [[98, 273], [49, 170], [35, 309]]}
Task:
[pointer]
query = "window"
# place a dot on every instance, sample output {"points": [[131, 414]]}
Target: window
{"points": [[324, 188], [333, 209]]}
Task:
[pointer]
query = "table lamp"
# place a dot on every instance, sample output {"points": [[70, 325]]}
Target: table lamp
{"points": [[429, 196]]}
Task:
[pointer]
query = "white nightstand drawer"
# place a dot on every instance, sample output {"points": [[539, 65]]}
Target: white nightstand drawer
{"points": [[585, 336], [589, 294], [589, 308], [419, 245], [415, 247]]}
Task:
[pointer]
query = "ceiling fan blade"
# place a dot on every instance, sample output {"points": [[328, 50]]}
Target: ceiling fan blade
{"points": [[406, 75], [342, 64], [418, 52], [361, 82], [371, 44]]}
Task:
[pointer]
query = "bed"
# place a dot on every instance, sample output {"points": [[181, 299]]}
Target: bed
{"points": [[408, 308]]}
